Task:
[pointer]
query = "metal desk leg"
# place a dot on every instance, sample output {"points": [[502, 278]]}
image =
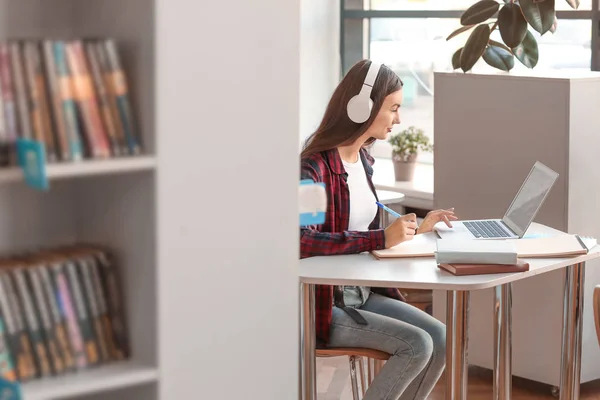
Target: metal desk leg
{"points": [[308, 343], [572, 330], [503, 342], [385, 219], [457, 323]]}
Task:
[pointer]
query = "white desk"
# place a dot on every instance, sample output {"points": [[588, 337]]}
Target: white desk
{"points": [[423, 273]]}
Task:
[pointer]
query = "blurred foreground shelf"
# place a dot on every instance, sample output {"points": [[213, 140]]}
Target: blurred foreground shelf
{"points": [[85, 168], [99, 379]]}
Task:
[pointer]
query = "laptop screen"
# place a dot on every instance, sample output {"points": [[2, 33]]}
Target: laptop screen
{"points": [[530, 198]]}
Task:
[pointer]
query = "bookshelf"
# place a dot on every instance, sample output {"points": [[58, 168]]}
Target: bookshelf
{"points": [[111, 202]]}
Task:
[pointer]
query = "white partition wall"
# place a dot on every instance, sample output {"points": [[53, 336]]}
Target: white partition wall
{"points": [[489, 131], [228, 76]]}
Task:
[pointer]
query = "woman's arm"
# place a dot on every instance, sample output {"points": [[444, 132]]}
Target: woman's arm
{"points": [[313, 242], [316, 243]]}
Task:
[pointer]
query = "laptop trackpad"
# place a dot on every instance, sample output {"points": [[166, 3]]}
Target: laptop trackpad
{"points": [[457, 229]]}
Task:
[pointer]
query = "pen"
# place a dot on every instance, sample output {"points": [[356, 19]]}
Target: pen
{"points": [[389, 210]]}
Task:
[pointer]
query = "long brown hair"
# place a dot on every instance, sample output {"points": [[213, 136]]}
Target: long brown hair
{"points": [[336, 128]]}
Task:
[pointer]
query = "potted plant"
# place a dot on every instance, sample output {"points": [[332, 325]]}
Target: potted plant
{"points": [[405, 147], [513, 19]]}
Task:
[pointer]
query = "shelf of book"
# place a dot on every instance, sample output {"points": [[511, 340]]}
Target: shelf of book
{"points": [[98, 379], [82, 84], [120, 165]]}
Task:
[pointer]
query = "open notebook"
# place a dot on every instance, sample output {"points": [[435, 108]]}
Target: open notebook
{"points": [[564, 245], [423, 245]]}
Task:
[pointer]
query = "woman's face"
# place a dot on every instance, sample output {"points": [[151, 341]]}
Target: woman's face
{"points": [[388, 116]]}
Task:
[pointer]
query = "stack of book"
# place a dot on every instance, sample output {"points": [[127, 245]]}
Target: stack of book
{"points": [[472, 257], [60, 311], [70, 95]]}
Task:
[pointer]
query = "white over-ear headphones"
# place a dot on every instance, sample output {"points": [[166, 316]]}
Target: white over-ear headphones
{"points": [[359, 107]]}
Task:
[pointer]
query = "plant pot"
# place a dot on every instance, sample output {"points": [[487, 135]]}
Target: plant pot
{"points": [[405, 170]]}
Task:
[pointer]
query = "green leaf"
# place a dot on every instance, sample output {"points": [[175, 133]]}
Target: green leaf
{"points": [[539, 14], [527, 52], [499, 58], [479, 12], [459, 31], [574, 4], [499, 44], [456, 59], [512, 24], [475, 46]]}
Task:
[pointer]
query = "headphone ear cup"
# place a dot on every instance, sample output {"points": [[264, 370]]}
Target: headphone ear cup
{"points": [[359, 108]]}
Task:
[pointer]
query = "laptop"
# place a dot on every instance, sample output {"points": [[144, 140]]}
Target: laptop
{"points": [[518, 216]]}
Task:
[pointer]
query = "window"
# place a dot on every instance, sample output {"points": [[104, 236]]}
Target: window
{"points": [[409, 36]]}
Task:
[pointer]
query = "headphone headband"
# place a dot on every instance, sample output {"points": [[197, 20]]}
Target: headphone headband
{"points": [[370, 78], [359, 107]]}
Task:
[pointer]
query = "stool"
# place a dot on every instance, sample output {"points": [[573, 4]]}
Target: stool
{"points": [[377, 357]]}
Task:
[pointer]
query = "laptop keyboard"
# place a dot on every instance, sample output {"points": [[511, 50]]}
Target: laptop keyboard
{"points": [[485, 229]]}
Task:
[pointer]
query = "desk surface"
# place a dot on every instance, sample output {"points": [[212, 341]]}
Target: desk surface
{"points": [[420, 273]]}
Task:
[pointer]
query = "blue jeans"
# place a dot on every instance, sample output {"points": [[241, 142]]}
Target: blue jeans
{"points": [[415, 340]]}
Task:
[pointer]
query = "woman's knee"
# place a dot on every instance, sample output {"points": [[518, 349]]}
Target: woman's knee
{"points": [[438, 335], [420, 343]]}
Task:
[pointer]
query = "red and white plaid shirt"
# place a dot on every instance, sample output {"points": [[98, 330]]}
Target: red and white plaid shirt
{"points": [[333, 237]]}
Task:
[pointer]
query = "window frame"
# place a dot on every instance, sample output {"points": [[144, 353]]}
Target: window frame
{"points": [[355, 37]]}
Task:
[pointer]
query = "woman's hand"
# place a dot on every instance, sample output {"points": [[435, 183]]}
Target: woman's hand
{"points": [[401, 230], [433, 217]]}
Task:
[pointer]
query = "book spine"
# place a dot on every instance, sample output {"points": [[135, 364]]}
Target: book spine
{"points": [[103, 311], [35, 54], [39, 347], [6, 84], [119, 87], [20, 90], [111, 95], [26, 368], [7, 370], [36, 101], [47, 325], [58, 320], [103, 100], [95, 317], [72, 126], [110, 283], [5, 137], [69, 314], [59, 126], [86, 97], [83, 316], [17, 361]]}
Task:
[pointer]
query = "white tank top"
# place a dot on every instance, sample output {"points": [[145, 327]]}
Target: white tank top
{"points": [[362, 212], [362, 200]]}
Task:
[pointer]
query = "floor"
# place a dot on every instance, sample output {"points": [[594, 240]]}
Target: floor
{"points": [[333, 383]]}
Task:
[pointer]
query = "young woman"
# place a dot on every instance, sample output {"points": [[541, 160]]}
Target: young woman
{"points": [[366, 317]]}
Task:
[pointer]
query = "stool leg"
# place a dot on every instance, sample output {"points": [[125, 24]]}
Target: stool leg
{"points": [[378, 366], [353, 380], [361, 371], [370, 370]]}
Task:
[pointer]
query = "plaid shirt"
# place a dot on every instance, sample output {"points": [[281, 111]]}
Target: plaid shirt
{"points": [[333, 236]]}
